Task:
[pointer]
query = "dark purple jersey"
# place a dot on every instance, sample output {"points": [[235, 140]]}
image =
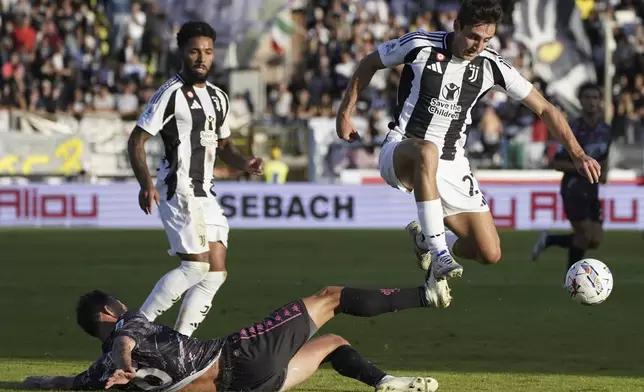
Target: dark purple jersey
{"points": [[164, 358], [596, 141]]}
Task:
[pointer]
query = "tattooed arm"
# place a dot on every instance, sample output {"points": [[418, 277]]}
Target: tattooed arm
{"points": [[136, 152]]}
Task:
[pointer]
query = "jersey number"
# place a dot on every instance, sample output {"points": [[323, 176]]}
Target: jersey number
{"points": [[150, 379], [470, 178]]}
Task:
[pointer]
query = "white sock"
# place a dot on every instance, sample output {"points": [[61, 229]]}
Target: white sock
{"points": [[430, 217], [451, 239], [198, 301], [171, 287]]}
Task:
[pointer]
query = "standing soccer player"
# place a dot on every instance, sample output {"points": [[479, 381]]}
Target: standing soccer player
{"points": [[581, 197], [191, 116], [444, 75]]}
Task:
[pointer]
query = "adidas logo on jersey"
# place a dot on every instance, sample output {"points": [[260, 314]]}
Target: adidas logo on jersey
{"points": [[195, 105], [436, 68]]}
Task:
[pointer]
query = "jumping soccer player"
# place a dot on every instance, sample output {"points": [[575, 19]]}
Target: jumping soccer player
{"points": [[444, 75]]}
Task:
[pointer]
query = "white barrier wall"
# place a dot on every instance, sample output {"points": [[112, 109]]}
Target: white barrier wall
{"points": [[248, 205]]}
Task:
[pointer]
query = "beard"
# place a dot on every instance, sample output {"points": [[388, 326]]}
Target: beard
{"points": [[198, 77]]}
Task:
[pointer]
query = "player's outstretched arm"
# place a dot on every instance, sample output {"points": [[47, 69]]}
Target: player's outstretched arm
{"points": [[92, 379], [47, 382], [560, 129], [359, 81]]}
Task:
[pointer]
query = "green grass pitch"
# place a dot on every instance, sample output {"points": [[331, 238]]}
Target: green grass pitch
{"points": [[511, 327]]}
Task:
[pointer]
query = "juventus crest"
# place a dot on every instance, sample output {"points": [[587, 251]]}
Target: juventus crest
{"points": [[473, 72], [215, 101]]}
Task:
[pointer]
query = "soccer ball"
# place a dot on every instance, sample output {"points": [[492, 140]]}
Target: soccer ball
{"points": [[589, 282]]}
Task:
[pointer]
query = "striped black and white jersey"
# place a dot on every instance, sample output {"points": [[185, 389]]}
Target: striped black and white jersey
{"points": [[191, 121], [437, 90]]}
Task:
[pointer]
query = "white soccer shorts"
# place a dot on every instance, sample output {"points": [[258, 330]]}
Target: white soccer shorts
{"points": [[191, 222], [459, 190]]}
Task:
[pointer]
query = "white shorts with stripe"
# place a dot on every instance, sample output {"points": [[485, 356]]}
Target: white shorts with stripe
{"points": [[458, 188], [191, 222]]}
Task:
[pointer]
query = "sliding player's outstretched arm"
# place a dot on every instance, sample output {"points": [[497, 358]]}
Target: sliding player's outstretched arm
{"points": [[91, 379], [57, 383], [122, 357]]}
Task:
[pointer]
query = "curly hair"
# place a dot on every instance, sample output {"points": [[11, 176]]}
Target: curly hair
{"points": [[193, 29]]}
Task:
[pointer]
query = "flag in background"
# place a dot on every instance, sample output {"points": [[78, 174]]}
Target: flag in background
{"points": [[281, 31], [552, 31]]}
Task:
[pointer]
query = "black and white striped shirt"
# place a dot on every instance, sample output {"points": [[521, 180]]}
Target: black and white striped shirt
{"points": [[437, 90], [191, 120]]}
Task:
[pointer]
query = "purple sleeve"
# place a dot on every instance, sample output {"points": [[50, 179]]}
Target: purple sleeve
{"points": [[96, 375]]}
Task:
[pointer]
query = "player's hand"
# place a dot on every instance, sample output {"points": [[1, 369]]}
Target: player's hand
{"points": [[588, 167], [146, 197], [255, 166], [345, 129], [120, 377]]}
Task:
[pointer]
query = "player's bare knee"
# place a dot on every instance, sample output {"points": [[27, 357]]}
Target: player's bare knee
{"points": [[331, 295], [491, 255], [331, 292], [428, 154], [335, 341]]}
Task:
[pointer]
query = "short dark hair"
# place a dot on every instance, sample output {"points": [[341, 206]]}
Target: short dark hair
{"points": [[477, 12], [588, 86], [89, 308], [193, 29]]}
